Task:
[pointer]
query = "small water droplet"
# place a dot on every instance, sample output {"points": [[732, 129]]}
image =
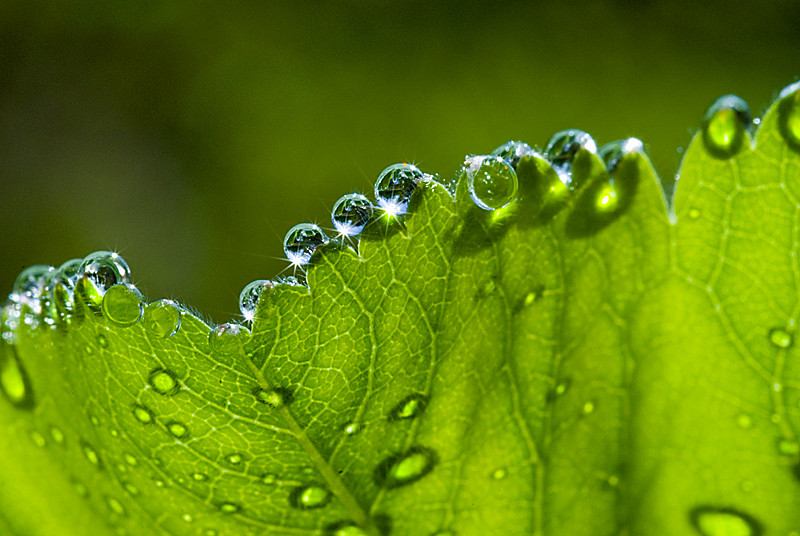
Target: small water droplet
{"points": [[158, 483], [405, 468], [499, 474], [723, 521], [780, 338], [394, 187], [115, 506], [694, 213], [62, 290], [788, 447], [123, 305], [744, 421], [94, 420], [229, 508], [588, 408], [613, 481], [726, 126], [164, 382], [199, 477], [310, 497], [131, 460], [188, 518], [352, 429], [491, 181], [102, 340], [90, 454], [513, 151], [301, 241], [130, 488], [162, 318], [14, 382], [143, 414], [561, 388], [275, 398], [57, 435], [344, 528], [789, 115], [38, 439], [178, 430], [227, 339], [101, 270], [411, 406], [350, 214], [235, 459], [28, 289], [114, 432], [248, 298], [269, 478], [564, 146]]}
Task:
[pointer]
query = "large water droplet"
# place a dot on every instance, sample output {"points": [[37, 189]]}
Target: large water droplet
{"points": [[723, 521], [726, 126], [405, 468], [143, 414], [103, 269], [123, 305], [301, 241], [164, 382], [162, 318], [178, 430], [564, 146], [350, 214], [226, 339], [275, 398], [491, 181], [248, 298], [409, 407], [513, 151], [310, 497], [394, 187], [14, 382], [780, 338], [789, 115], [613, 152]]}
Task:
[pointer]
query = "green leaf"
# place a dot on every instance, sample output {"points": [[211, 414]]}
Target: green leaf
{"points": [[581, 361]]}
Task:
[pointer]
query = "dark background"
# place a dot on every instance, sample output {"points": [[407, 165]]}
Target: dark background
{"points": [[190, 136]]}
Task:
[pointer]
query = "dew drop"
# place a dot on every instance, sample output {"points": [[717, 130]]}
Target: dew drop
{"points": [[143, 414], [62, 290], [103, 270], [612, 153], [226, 339], [788, 447], [162, 318], [694, 213], [405, 468], [789, 115], [164, 382], [123, 305], [188, 518], [115, 506], [301, 241], [344, 528], [726, 126], [352, 429], [780, 338], [178, 430], [564, 146], [235, 459], [90, 454], [513, 151], [491, 181], [499, 474], [350, 214], [744, 421], [310, 497], [102, 340], [394, 187], [57, 435], [275, 398], [14, 382], [28, 289], [723, 521], [411, 406], [269, 478], [248, 298], [588, 408], [130, 488], [131, 460], [229, 508]]}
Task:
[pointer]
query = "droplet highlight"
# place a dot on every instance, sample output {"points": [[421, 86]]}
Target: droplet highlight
{"points": [[226, 339], [178, 430], [14, 381], [394, 187], [164, 382], [564, 146], [301, 241], [411, 406], [123, 305], [229, 508], [310, 497], [162, 319], [248, 298], [350, 214], [513, 151], [780, 338], [143, 414], [103, 270], [726, 126], [491, 181], [404, 468], [723, 521], [275, 398]]}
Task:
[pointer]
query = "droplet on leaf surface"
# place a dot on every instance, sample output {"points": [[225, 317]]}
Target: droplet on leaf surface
{"points": [[564, 146], [350, 214], [789, 115], [723, 521], [162, 318], [726, 126], [780, 338], [123, 305], [310, 497], [394, 187], [405, 468], [164, 382], [14, 381], [248, 298], [513, 151], [301, 241], [409, 407], [226, 339], [103, 269], [491, 181]]}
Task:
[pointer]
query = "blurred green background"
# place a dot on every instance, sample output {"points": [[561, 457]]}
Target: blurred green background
{"points": [[190, 136]]}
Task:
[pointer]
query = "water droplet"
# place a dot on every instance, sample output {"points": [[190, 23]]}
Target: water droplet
{"points": [[301, 241], [62, 290], [564, 146], [28, 289], [57, 435], [248, 299], [90, 454], [405, 468], [726, 126], [491, 181], [38, 439], [229, 508], [612, 153], [613, 481], [164, 382], [162, 318], [274, 398], [560, 389], [269, 478], [411, 406], [588, 408], [513, 151], [178, 430], [130, 488], [310, 497], [115, 506], [499, 474], [788, 447], [199, 477], [103, 270], [350, 214], [226, 339], [235, 459], [744, 421], [131, 460], [352, 429], [344, 528], [780, 338], [394, 187], [143, 414], [188, 518], [723, 521], [14, 382], [694, 213], [123, 305], [102, 340], [789, 115]]}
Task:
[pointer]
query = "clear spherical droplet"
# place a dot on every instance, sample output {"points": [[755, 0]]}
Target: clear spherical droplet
{"points": [[162, 318], [513, 151], [29, 288], [780, 338], [301, 241], [723, 521], [178, 430], [789, 115], [235, 459], [491, 181], [564, 146], [310, 497], [248, 298], [123, 305], [350, 214], [227, 339], [405, 468], [499, 474], [612, 153], [394, 187], [411, 406], [352, 429], [164, 382], [143, 414], [103, 269], [726, 126], [199, 477]]}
